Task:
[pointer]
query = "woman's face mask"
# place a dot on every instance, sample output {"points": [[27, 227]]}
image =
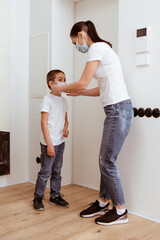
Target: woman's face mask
{"points": [[83, 49]]}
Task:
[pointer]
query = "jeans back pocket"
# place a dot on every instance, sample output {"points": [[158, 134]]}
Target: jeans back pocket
{"points": [[127, 110]]}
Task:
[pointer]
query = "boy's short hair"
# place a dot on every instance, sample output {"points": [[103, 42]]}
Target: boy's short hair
{"points": [[52, 75]]}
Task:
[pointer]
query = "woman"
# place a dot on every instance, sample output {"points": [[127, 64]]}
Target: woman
{"points": [[103, 64]]}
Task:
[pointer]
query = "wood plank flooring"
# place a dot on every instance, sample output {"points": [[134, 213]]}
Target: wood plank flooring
{"points": [[18, 220]]}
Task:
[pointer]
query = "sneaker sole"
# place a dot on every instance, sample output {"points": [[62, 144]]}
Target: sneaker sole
{"points": [[58, 205], [113, 223], [92, 215], [40, 209], [95, 214]]}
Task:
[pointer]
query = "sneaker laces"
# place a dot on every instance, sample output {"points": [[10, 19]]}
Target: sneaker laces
{"points": [[39, 200], [110, 214], [60, 197], [39, 197], [93, 205]]}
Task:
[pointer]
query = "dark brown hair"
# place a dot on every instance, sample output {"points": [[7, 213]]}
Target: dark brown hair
{"points": [[52, 75], [89, 28]]}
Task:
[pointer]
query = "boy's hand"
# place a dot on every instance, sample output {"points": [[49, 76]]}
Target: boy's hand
{"points": [[65, 132], [50, 150]]}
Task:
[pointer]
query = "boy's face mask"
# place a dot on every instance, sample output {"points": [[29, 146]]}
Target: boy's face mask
{"points": [[61, 84], [83, 49]]}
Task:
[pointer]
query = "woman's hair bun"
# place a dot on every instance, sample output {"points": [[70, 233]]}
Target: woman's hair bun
{"points": [[88, 23]]}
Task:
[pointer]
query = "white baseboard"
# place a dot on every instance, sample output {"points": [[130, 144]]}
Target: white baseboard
{"points": [[65, 184], [14, 183], [139, 215]]}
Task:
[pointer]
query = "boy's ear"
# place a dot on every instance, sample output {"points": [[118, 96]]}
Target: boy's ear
{"points": [[50, 83]]}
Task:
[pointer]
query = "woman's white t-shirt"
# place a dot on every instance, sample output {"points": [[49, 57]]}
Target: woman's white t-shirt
{"points": [[56, 107], [108, 74]]}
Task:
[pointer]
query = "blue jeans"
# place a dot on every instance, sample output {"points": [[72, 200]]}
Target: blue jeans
{"points": [[116, 127], [50, 167]]}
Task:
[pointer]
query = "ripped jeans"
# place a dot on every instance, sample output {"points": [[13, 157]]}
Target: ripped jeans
{"points": [[117, 124]]}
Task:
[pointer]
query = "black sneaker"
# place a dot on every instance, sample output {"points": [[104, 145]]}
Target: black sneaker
{"points": [[94, 210], [38, 204], [111, 218], [59, 201]]}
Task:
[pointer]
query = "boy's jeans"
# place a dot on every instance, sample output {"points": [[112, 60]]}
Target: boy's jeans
{"points": [[116, 127], [50, 167]]}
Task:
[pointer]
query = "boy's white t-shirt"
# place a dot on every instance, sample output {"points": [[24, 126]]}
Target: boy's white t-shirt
{"points": [[56, 107], [108, 74]]}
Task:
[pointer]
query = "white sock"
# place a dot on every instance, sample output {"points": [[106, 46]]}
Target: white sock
{"points": [[120, 211], [102, 204]]}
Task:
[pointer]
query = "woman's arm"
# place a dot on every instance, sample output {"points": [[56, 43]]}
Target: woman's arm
{"points": [[94, 92], [44, 127], [81, 84]]}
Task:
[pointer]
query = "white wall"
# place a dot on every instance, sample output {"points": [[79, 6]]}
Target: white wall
{"points": [[139, 160], [88, 112], [18, 93], [55, 18], [5, 64]]}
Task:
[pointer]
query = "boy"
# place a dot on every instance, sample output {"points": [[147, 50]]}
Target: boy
{"points": [[54, 125]]}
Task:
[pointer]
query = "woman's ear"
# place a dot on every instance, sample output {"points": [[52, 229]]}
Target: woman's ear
{"points": [[80, 35]]}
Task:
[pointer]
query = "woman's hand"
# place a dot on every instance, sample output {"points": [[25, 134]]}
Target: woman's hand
{"points": [[50, 150], [73, 94]]}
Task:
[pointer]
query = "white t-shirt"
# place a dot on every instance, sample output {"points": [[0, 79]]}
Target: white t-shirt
{"points": [[108, 74], [56, 107]]}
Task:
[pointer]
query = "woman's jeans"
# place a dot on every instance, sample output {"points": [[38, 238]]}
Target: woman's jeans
{"points": [[50, 168], [116, 127]]}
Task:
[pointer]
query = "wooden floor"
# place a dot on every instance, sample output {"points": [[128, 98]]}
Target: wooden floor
{"points": [[18, 220]]}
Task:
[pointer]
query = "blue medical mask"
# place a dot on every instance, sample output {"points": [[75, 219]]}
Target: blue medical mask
{"points": [[83, 49], [61, 83]]}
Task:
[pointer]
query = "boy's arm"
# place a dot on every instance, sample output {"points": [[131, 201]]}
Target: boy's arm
{"points": [[44, 127], [65, 129]]}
